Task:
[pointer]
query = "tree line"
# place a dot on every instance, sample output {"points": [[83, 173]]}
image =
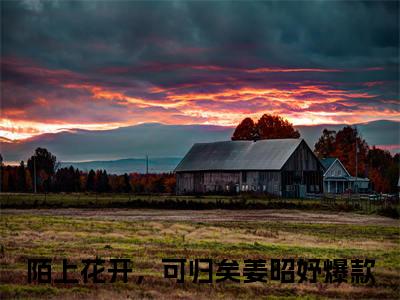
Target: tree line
{"points": [[376, 164], [51, 178]]}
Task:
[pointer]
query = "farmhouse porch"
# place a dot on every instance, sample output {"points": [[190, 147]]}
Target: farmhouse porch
{"points": [[340, 185]]}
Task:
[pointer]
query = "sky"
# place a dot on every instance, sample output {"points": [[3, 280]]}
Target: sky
{"points": [[107, 64]]}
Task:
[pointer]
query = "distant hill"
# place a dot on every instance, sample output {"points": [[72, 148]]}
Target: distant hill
{"points": [[381, 132], [153, 139], [167, 143], [128, 165]]}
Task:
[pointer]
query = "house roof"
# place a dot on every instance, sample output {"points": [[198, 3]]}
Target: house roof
{"points": [[239, 155], [327, 162]]}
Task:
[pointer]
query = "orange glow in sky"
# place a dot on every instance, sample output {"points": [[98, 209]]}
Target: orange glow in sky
{"points": [[65, 100]]}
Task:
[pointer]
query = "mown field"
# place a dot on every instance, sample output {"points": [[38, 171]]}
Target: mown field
{"points": [[146, 236]]}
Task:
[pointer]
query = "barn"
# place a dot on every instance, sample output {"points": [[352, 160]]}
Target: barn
{"points": [[280, 167]]}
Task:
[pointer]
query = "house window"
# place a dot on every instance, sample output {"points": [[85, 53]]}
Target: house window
{"points": [[244, 177]]}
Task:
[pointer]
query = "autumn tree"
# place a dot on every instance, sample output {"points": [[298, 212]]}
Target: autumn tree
{"points": [[267, 127], [383, 170], [45, 164], [325, 146], [275, 127], [170, 184], [343, 145], [245, 130], [157, 184], [347, 142]]}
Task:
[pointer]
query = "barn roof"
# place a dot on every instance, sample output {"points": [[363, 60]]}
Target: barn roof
{"points": [[239, 155]]}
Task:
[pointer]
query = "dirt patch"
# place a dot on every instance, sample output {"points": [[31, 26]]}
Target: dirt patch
{"points": [[267, 215]]}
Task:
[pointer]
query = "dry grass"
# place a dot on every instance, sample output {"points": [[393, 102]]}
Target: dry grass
{"points": [[78, 234]]}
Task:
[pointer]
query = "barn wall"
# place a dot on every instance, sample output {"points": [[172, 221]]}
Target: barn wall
{"points": [[221, 181], [270, 182], [184, 182], [203, 182], [302, 173], [303, 159], [229, 182]]}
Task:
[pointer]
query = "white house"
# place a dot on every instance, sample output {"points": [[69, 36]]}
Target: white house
{"points": [[337, 179]]}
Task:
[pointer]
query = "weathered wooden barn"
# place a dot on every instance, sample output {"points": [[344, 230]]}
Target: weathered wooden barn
{"points": [[282, 167]]}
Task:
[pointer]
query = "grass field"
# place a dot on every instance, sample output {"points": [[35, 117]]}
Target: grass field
{"points": [[246, 201], [90, 200], [147, 236]]}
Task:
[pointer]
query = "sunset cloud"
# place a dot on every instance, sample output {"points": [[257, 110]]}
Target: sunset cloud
{"points": [[98, 65]]}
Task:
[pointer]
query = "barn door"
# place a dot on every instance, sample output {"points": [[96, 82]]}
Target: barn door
{"points": [[198, 182]]}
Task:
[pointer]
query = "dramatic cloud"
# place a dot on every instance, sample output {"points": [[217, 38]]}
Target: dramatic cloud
{"points": [[106, 64]]}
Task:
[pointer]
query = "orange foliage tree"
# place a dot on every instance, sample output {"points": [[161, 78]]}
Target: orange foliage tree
{"points": [[376, 164], [245, 130], [267, 127]]}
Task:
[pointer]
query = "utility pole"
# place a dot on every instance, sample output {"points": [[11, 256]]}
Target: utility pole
{"points": [[147, 164], [147, 172], [34, 173], [355, 183]]}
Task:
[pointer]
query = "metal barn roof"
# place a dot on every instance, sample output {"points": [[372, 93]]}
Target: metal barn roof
{"points": [[239, 155]]}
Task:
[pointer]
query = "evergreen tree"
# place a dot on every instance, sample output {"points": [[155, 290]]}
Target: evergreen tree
{"points": [[21, 187], [127, 184], [91, 181]]}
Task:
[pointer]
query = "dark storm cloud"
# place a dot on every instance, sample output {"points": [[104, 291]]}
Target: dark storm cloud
{"points": [[89, 34], [127, 62]]}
